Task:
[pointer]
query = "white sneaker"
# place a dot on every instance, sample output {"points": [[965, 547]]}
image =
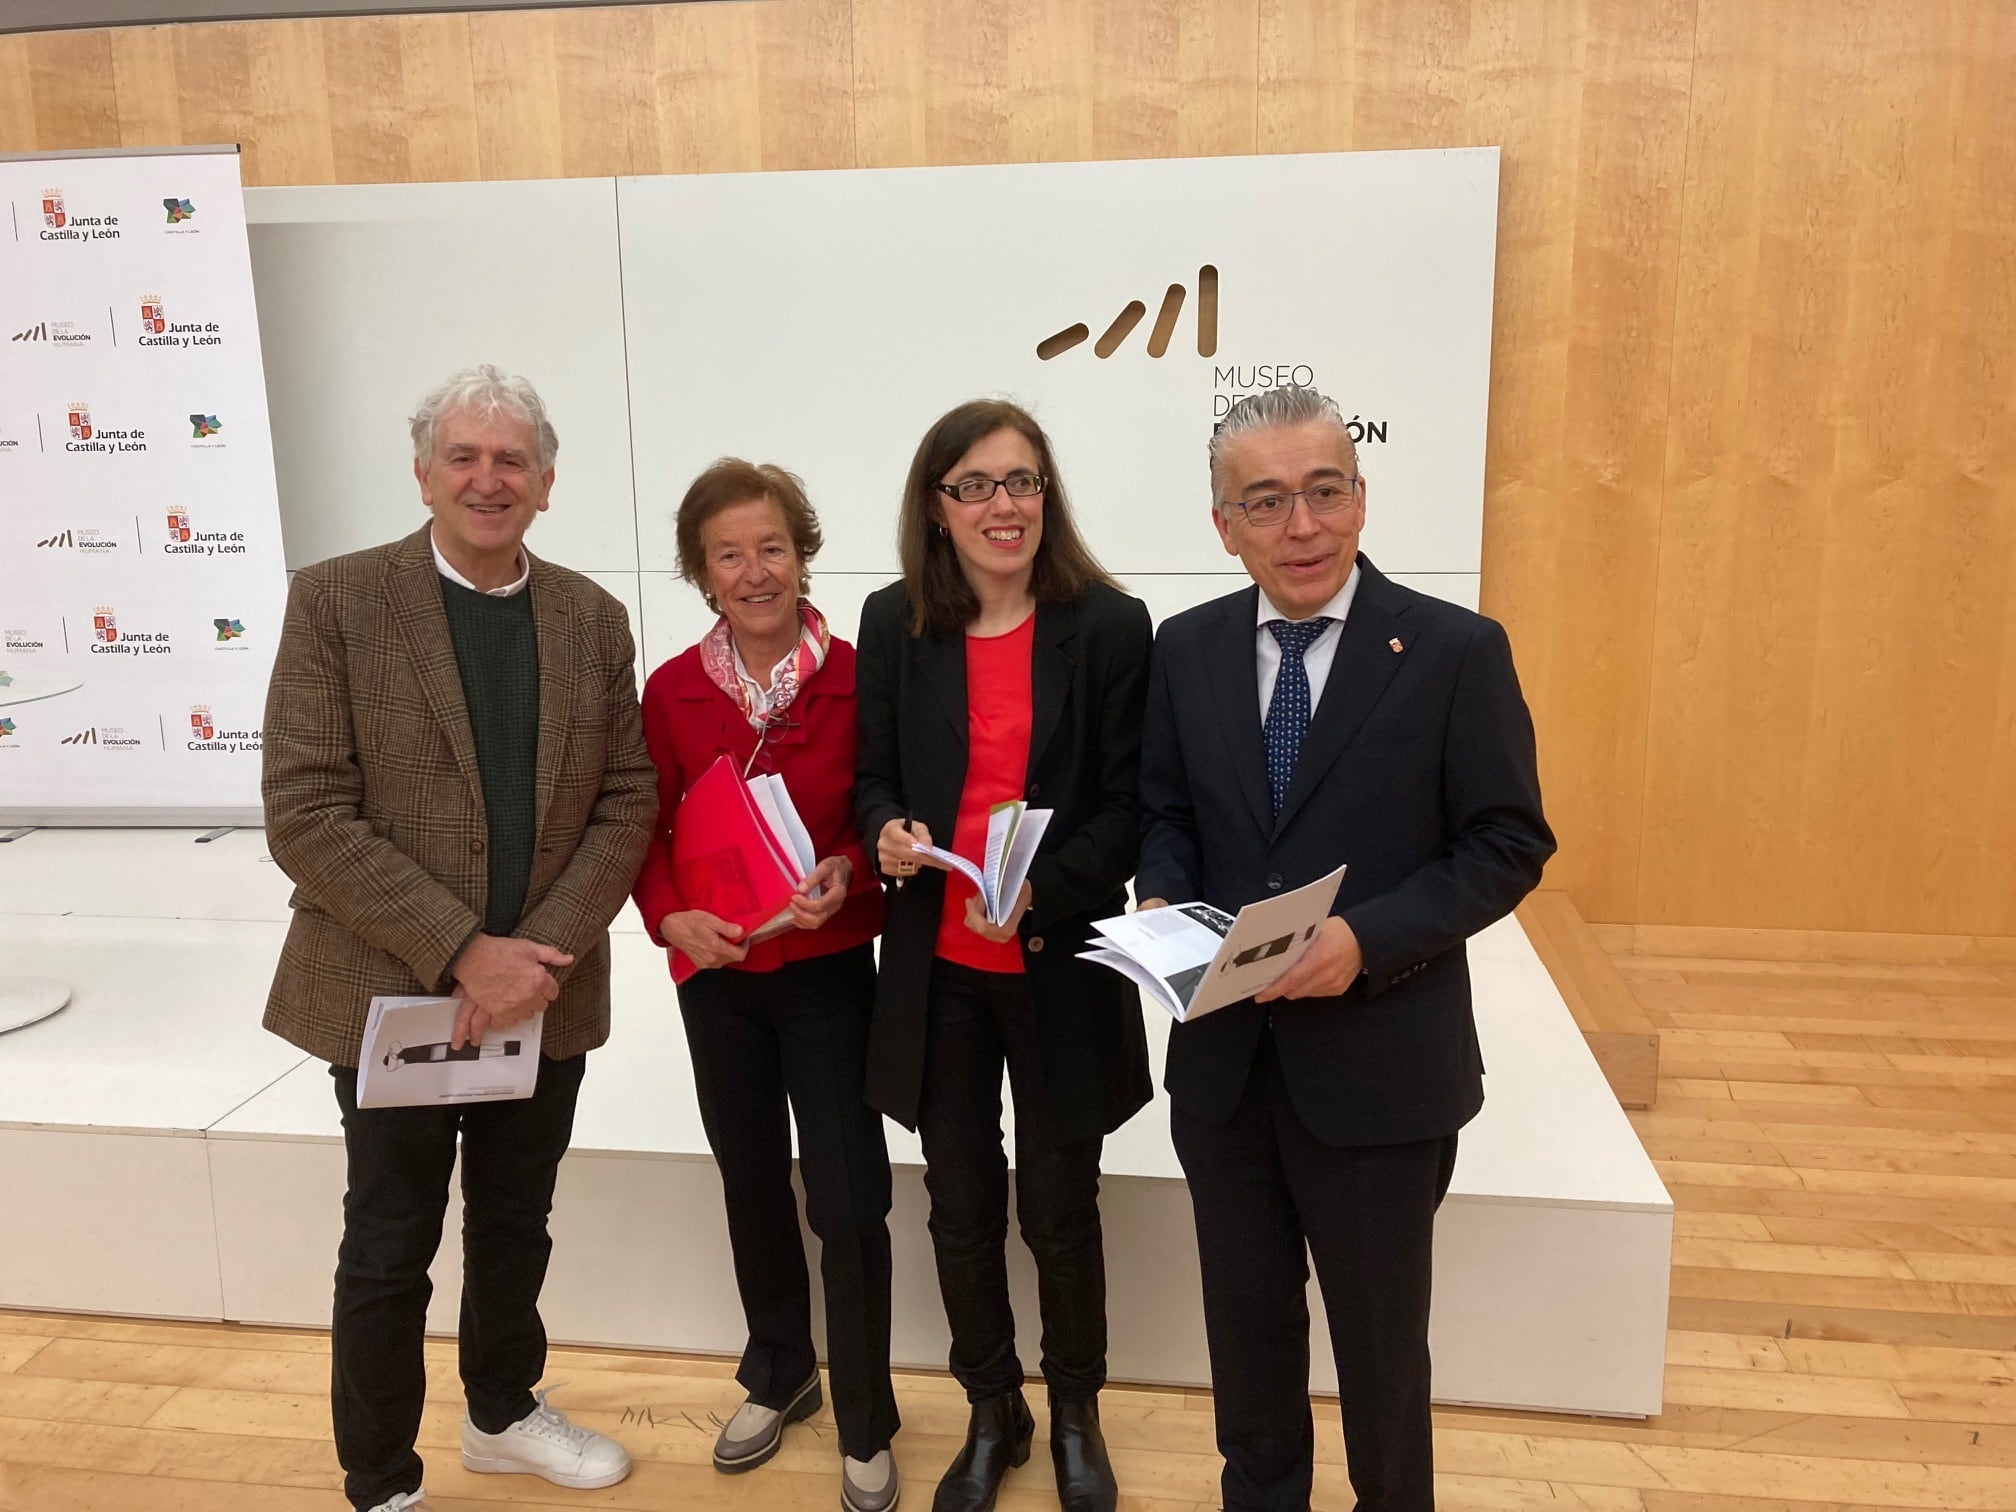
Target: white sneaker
{"points": [[405, 1501], [869, 1485], [544, 1443]]}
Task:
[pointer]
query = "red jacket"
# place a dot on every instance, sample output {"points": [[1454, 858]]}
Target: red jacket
{"points": [[688, 723]]}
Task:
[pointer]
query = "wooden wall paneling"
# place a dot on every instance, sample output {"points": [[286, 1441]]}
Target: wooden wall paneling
{"points": [[1589, 101], [70, 90], [518, 115], [938, 81], [402, 99], [438, 119], [292, 132], [1217, 77], [1970, 454], [369, 110], [17, 96], [209, 71], [1820, 722], [146, 84], [1579, 603], [745, 86], [604, 70]]}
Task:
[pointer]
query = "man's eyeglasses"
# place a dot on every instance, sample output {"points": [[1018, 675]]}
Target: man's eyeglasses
{"points": [[1274, 509], [1021, 485]]}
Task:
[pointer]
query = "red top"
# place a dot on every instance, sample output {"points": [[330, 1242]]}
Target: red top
{"points": [[688, 723], [1000, 702]]}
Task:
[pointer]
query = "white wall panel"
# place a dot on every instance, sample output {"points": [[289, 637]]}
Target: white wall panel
{"points": [[823, 320], [371, 294]]}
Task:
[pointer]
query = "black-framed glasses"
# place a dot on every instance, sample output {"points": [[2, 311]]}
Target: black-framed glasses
{"points": [[1274, 508], [1020, 485]]}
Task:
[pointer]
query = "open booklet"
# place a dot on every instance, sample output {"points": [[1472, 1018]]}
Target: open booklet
{"points": [[1194, 959], [791, 842], [1014, 830], [408, 1062]]}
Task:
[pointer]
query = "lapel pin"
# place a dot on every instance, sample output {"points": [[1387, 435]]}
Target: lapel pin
{"points": [[1395, 644]]}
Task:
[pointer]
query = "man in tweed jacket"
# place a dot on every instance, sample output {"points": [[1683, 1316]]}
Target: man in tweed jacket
{"points": [[456, 782]]}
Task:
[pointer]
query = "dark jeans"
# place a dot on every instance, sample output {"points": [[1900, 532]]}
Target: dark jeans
{"points": [[399, 1160], [978, 1019], [799, 1035], [1263, 1187]]}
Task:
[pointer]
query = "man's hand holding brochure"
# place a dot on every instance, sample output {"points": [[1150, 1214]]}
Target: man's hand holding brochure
{"points": [[1194, 959]]}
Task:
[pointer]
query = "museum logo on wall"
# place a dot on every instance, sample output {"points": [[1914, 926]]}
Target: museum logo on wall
{"points": [[1123, 324], [55, 333]]}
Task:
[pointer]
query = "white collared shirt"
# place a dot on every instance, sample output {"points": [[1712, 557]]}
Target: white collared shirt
{"points": [[760, 697], [442, 566], [1322, 650]]}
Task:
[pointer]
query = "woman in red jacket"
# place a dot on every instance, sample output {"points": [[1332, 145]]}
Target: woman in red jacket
{"points": [[783, 1018]]}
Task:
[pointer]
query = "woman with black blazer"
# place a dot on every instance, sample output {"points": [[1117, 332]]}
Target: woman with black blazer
{"points": [[1006, 664]]}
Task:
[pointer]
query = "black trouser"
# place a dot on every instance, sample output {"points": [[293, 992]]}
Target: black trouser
{"points": [[800, 1034], [399, 1160], [1263, 1186], [978, 1019]]}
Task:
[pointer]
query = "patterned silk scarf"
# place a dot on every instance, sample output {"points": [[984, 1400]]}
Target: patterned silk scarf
{"points": [[717, 655]]}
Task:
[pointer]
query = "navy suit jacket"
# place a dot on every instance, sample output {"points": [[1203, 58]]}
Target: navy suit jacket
{"points": [[1418, 773]]}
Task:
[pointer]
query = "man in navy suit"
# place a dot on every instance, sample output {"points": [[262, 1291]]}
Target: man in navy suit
{"points": [[1325, 716]]}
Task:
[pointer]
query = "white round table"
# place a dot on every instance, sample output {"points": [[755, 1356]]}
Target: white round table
{"points": [[27, 1000]]}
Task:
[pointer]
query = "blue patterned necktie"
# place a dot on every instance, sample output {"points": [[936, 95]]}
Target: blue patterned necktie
{"points": [[1288, 710]]}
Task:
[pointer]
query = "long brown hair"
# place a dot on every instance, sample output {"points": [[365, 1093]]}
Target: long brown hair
{"points": [[942, 602]]}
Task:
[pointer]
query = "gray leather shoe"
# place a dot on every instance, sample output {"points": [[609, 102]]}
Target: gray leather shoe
{"points": [[869, 1485], [756, 1432]]}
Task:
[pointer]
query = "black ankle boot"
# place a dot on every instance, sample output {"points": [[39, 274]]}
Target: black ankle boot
{"points": [[997, 1440], [1078, 1449]]}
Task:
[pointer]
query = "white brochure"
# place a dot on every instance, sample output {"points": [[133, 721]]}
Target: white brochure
{"points": [[790, 841], [1014, 830], [407, 1061], [1194, 959]]}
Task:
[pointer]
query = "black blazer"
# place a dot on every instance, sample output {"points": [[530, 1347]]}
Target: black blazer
{"points": [[1418, 772], [1089, 681]]}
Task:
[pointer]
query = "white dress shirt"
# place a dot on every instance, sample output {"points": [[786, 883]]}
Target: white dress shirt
{"points": [[760, 697], [1322, 650], [441, 565]]}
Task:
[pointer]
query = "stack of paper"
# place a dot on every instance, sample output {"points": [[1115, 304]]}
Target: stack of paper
{"points": [[1194, 959], [1014, 830]]}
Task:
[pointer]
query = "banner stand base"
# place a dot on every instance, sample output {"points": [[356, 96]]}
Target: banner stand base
{"points": [[28, 1000]]}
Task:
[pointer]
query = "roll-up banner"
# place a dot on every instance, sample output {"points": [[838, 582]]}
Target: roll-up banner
{"points": [[141, 574]]}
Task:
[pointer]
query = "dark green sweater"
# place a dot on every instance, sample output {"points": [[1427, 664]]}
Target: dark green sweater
{"points": [[497, 650]]}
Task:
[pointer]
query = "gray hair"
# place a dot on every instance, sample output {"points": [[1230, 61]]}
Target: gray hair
{"points": [[484, 391], [1265, 411]]}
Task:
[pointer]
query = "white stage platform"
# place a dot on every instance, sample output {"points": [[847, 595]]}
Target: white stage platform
{"points": [[161, 1154]]}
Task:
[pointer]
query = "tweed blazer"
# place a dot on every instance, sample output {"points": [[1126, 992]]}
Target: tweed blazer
{"points": [[374, 805]]}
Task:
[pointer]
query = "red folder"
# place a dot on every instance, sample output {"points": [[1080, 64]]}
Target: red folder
{"points": [[724, 858]]}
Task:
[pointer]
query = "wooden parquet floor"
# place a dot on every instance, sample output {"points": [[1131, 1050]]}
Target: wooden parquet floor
{"points": [[1840, 1141]]}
